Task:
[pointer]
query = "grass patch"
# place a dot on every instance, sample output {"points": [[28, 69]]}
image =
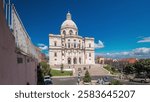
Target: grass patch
{"points": [[59, 73]]}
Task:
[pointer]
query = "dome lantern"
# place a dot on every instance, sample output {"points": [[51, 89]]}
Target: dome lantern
{"points": [[68, 17]]}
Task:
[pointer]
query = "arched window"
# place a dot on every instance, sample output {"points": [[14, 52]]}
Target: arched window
{"points": [[68, 45], [75, 60], [80, 60], [64, 32], [69, 60], [70, 32], [74, 45], [76, 33]]}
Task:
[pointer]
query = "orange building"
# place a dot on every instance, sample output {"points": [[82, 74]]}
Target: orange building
{"points": [[129, 60]]}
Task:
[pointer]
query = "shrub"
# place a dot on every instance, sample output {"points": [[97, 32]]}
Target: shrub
{"points": [[115, 82], [87, 77]]}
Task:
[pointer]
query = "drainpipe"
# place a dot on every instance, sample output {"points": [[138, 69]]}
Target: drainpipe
{"points": [[9, 16], [12, 7], [3, 3], [6, 11]]}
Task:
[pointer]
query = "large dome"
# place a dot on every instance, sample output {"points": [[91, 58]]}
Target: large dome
{"points": [[68, 23]]}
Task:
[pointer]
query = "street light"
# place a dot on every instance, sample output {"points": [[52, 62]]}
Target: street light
{"points": [[78, 78]]}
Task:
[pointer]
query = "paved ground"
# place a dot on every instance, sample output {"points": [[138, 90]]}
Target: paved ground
{"points": [[73, 81], [65, 81]]}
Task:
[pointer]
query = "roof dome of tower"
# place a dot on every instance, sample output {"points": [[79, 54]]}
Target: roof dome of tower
{"points": [[68, 23]]}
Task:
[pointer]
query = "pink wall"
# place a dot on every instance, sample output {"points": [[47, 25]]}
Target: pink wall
{"points": [[12, 73]]}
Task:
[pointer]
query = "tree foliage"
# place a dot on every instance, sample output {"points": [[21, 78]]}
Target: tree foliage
{"points": [[45, 68], [87, 77], [142, 66], [129, 69]]}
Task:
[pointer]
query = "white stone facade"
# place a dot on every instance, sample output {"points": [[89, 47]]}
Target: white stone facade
{"points": [[69, 48]]}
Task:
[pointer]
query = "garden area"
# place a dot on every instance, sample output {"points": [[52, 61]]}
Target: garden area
{"points": [[60, 73]]}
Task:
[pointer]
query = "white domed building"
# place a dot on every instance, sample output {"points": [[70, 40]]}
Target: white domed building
{"points": [[69, 48]]}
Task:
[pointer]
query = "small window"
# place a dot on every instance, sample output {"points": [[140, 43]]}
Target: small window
{"points": [[70, 32], [55, 54], [55, 59], [90, 45], [79, 46], [55, 43], [76, 33], [19, 60], [84, 68], [89, 54], [74, 45], [64, 32], [68, 45]]}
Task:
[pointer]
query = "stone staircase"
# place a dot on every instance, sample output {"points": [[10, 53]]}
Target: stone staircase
{"points": [[94, 70]]}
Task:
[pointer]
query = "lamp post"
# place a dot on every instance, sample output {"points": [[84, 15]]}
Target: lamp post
{"points": [[78, 80]]}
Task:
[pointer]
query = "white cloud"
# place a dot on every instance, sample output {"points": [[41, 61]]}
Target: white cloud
{"points": [[99, 45], [141, 51], [42, 46], [137, 53], [144, 40]]}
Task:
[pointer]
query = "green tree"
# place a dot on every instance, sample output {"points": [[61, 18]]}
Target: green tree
{"points": [[129, 69], [40, 78], [87, 77], [45, 68]]}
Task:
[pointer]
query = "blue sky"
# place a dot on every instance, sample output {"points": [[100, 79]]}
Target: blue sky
{"points": [[121, 28]]}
